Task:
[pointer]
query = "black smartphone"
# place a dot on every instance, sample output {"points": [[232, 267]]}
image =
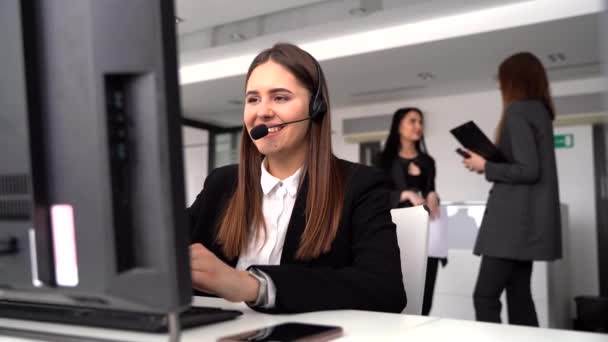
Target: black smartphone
{"points": [[463, 153], [288, 332]]}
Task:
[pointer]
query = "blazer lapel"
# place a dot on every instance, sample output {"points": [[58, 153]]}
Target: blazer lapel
{"points": [[297, 222]]}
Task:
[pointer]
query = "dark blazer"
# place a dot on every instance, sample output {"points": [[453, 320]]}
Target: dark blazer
{"points": [[361, 271], [522, 219]]}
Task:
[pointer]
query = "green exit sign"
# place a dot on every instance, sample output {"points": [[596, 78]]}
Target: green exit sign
{"points": [[563, 141]]}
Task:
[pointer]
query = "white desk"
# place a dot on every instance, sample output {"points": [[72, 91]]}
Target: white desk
{"points": [[470, 331], [357, 325]]}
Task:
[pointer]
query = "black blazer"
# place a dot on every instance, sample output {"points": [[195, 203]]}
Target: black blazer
{"points": [[522, 219], [398, 171], [361, 271]]}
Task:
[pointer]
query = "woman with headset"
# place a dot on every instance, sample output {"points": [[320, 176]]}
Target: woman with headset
{"points": [[292, 228], [522, 219]]}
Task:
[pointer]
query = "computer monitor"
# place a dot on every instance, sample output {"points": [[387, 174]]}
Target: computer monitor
{"points": [[91, 179]]}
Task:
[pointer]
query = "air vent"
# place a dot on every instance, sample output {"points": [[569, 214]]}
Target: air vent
{"points": [[572, 66], [13, 185], [17, 209], [387, 91]]}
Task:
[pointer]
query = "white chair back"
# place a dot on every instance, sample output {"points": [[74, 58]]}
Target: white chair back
{"points": [[412, 236]]}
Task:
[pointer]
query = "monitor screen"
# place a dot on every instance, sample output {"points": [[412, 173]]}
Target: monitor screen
{"points": [[91, 179]]}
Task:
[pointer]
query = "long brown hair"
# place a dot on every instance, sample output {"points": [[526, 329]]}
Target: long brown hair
{"points": [[523, 77], [321, 171]]}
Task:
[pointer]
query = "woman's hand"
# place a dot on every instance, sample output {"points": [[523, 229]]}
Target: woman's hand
{"points": [[475, 162], [432, 201], [211, 275], [411, 196]]}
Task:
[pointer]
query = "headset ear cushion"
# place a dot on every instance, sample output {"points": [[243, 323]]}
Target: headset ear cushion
{"points": [[318, 109], [318, 106]]}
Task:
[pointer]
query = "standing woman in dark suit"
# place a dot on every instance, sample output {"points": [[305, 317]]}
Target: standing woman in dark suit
{"points": [[406, 160], [522, 219], [292, 228]]}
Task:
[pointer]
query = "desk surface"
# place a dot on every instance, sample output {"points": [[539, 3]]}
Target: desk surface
{"points": [[357, 325], [445, 329]]}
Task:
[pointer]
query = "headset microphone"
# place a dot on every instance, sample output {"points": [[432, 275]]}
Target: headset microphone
{"points": [[258, 132], [261, 130]]}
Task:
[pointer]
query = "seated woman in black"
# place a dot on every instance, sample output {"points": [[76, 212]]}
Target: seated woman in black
{"points": [[291, 228]]}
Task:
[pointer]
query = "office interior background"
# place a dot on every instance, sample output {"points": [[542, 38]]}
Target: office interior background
{"points": [[441, 56]]}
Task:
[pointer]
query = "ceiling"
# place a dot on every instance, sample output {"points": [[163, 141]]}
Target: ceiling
{"points": [[201, 14], [459, 65]]}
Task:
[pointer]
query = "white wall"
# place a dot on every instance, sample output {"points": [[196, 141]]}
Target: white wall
{"points": [[195, 148], [577, 186]]}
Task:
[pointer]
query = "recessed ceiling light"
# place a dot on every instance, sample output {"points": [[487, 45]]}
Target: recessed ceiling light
{"points": [[426, 75], [365, 7], [557, 57], [178, 20], [358, 11], [235, 36]]}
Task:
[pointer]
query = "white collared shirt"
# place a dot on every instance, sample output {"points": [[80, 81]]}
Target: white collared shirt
{"points": [[277, 205]]}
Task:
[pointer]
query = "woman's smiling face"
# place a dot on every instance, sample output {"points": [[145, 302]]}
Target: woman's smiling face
{"points": [[274, 96]]}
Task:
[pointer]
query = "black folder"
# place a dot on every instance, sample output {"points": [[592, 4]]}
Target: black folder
{"points": [[472, 138]]}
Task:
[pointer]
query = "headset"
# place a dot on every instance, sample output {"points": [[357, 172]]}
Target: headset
{"points": [[318, 105]]}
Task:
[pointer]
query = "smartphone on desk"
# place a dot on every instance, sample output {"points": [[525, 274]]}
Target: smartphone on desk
{"points": [[288, 332]]}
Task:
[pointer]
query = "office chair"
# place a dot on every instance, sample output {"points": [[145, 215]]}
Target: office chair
{"points": [[412, 236]]}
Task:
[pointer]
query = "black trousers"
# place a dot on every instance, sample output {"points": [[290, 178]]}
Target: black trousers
{"points": [[496, 275], [429, 284]]}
